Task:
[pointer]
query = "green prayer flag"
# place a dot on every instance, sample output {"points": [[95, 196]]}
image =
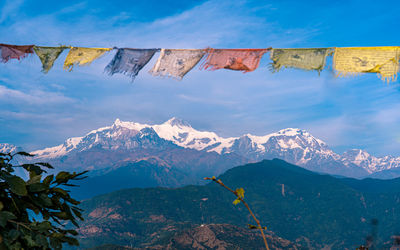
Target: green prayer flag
{"points": [[48, 55], [307, 59]]}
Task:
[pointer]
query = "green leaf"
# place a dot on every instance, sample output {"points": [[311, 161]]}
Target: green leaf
{"points": [[62, 176], [45, 164], [41, 241], [237, 201], [60, 191], [13, 234], [240, 192], [44, 226], [48, 179], [77, 213], [16, 246], [30, 241], [37, 187], [33, 168], [45, 200], [5, 216], [61, 215], [73, 232], [17, 185], [57, 235], [55, 243], [71, 241], [34, 179]]}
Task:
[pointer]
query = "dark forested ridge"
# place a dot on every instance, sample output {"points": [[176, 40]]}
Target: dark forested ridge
{"points": [[296, 204]]}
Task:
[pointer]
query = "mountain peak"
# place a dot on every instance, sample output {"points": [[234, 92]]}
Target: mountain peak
{"points": [[117, 121], [292, 131], [177, 122], [8, 148]]}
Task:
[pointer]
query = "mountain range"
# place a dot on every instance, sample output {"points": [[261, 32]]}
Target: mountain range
{"points": [[293, 145], [172, 154], [311, 210]]}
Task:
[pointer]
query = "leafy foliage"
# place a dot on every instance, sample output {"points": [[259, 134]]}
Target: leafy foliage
{"points": [[240, 195], [41, 195]]}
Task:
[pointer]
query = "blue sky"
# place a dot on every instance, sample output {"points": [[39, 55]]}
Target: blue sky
{"points": [[43, 110]]}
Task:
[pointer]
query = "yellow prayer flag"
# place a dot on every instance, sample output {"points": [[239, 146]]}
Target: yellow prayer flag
{"points": [[381, 60], [81, 56]]}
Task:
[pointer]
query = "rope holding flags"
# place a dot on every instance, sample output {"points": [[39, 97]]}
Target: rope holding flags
{"points": [[176, 63]]}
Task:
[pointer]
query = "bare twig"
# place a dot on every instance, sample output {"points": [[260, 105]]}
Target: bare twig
{"points": [[247, 206], [20, 224]]}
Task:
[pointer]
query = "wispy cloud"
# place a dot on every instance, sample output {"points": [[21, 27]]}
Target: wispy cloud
{"points": [[10, 9], [33, 97]]}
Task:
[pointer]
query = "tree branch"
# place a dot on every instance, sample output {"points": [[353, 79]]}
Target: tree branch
{"points": [[247, 206]]}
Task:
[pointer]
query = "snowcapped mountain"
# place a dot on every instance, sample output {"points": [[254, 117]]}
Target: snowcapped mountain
{"points": [[119, 136], [8, 148], [371, 163], [293, 145]]}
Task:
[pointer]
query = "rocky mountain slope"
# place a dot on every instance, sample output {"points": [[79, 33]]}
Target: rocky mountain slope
{"points": [[212, 236], [312, 210]]}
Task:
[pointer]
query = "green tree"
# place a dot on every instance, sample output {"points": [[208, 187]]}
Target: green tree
{"points": [[41, 195]]}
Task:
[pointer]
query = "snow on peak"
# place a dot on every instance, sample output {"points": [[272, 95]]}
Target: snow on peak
{"points": [[177, 122], [182, 134], [369, 162], [8, 148], [291, 132]]}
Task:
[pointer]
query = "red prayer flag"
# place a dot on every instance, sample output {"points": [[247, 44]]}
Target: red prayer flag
{"points": [[245, 60], [15, 51]]}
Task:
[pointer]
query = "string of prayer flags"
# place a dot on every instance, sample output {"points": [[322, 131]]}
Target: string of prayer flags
{"points": [[81, 56], [130, 61], [48, 55], [15, 51], [307, 59], [176, 62], [381, 60], [245, 60]]}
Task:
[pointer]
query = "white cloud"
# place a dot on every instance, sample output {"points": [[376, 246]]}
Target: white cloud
{"points": [[36, 97]]}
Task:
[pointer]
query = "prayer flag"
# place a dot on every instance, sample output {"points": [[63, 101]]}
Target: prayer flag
{"points": [[381, 60], [245, 60], [81, 56], [307, 59], [48, 55], [176, 62], [14, 51], [130, 61]]}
